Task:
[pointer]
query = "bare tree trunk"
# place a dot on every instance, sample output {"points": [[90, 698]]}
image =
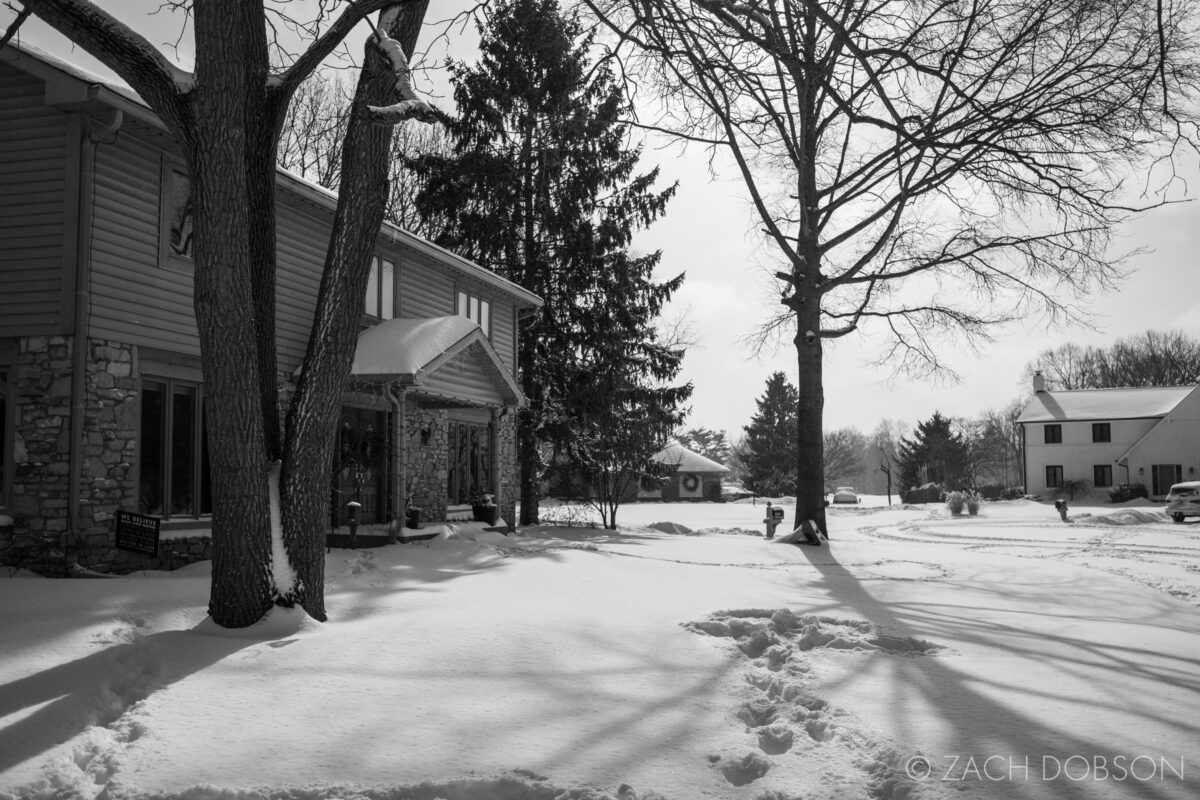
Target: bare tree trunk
{"points": [[810, 440], [216, 154], [311, 421]]}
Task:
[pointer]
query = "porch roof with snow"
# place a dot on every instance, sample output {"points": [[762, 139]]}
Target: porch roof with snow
{"points": [[1148, 402], [448, 359], [686, 460]]}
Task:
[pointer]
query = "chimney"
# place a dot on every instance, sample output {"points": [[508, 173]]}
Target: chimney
{"points": [[1039, 382]]}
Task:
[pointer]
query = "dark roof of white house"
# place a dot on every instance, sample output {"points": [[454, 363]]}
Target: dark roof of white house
{"points": [[1149, 402]]}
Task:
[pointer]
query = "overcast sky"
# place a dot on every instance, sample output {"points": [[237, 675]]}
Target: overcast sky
{"points": [[708, 232]]}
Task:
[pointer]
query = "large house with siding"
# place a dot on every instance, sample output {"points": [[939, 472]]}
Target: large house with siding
{"points": [[1099, 438], [101, 391]]}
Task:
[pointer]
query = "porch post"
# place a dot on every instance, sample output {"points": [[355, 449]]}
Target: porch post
{"points": [[494, 447], [399, 458]]}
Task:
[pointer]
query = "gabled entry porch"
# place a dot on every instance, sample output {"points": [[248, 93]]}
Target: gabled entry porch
{"points": [[445, 400]]}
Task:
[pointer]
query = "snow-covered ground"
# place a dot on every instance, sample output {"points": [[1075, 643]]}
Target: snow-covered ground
{"points": [[917, 655]]}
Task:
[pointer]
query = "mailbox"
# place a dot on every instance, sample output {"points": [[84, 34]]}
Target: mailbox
{"points": [[773, 519]]}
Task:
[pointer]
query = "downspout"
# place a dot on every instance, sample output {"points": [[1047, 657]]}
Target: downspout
{"points": [[96, 134], [1024, 462]]}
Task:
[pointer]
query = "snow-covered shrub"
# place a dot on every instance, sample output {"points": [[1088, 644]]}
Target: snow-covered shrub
{"points": [[955, 502], [1124, 492], [929, 493], [1013, 493], [974, 501], [568, 515]]}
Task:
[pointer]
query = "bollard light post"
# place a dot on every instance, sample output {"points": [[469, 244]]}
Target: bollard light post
{"points": [[352, 509]]}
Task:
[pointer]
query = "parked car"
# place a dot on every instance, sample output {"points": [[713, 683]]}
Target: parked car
{"points": [[1184, 501], [845, 494]]}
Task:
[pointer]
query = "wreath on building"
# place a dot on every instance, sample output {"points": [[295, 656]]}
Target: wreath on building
{"points": [[691, 482]]}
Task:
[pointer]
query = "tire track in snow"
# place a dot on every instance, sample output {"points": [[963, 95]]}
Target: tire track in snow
{"points": [[1118, 543]]}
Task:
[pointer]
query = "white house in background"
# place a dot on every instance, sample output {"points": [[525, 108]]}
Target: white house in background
{"points": [[1105, 437]]}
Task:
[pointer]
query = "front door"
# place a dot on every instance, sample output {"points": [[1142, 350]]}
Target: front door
{"points": [[1164, 476], [360, 466]]}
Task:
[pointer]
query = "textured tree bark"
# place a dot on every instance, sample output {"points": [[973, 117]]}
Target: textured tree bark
{"points": [[810, 440], [222, 99], [311, 420]]}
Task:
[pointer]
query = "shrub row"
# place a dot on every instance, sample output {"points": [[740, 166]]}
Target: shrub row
{"points": [[937, 493], [1123, 492]]}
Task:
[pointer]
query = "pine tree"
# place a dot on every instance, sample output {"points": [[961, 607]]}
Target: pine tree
{"points": [[771, 440], [707, 442], [936, 453], [541, 187]]}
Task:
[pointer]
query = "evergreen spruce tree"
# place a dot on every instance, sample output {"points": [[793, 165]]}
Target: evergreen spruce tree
{"points": [[541, 187], [936, 453], [771, 440], [707, 442]]}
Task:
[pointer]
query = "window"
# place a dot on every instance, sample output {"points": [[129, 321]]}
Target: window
{"points": [[476, 309], [1101, 432], [1054, 476], [1102, 476], [177, 216], [380, 301], [174, 476], [1053, 434]]}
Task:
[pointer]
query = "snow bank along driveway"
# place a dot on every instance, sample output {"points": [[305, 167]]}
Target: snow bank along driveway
{"points": [[917, 656]]}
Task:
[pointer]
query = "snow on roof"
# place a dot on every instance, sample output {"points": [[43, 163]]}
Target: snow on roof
{"points": [[24, 48], [1084, 404], [686, 460], [406, 346]]}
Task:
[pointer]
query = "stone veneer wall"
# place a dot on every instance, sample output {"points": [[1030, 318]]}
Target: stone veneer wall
{"points": [[41, 537], [510, 483], [427, 447]]}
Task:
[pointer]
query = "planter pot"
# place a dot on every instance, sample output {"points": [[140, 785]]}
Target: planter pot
{"points": [[412, 518], [486, 514]]}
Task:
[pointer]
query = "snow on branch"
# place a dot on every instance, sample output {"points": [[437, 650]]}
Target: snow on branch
{"points": [[410, 105]]}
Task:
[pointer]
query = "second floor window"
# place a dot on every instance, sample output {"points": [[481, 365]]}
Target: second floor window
{"points": [[1054, 434], [1101, 432], [476, 309], [381, 289]]}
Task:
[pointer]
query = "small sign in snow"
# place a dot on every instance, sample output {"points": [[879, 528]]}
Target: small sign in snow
{"points": [[137, 532]]}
